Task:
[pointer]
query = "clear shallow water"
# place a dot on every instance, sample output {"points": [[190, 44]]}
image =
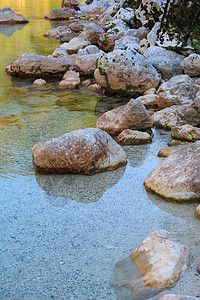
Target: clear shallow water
{"points": [[62, 234]]}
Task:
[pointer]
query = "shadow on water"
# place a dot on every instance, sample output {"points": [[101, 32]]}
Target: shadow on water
{"points": [[60, 189], [105, 104], [8, 30], [128, 283], [184, 211]]}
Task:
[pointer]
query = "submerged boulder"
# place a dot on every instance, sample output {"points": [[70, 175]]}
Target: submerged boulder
{"points": [[84, 151], [8, 16], [132, 115], [177, 177], [154, 266], [126, 72], [34, 65]]}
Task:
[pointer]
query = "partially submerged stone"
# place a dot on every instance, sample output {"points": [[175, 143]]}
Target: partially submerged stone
{"points": [[186, 132], [39, 82], [8, 16], [84, 151], [154, 266], [177, 178], [133, 115], [133, 137], [34, 65], [70, 80], [165, 152], [136, 75]]}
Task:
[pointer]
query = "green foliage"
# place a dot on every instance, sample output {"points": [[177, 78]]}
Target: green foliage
{"points": [[196, 39]]}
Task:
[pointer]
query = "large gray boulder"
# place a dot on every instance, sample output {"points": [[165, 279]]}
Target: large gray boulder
{"points": [[34, 65], [8, 16], [126, 71], [132, 115], [84, 151], [166, 61], [177, 177]]}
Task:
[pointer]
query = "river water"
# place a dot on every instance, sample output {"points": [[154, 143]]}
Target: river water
{"points": [[61, 235]]}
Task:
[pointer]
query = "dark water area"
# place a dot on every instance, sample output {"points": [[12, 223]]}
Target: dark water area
{"points": [[61, 235]]}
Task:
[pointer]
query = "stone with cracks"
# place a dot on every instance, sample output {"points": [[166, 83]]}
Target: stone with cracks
{"points": [[8, 16], [177, 178], [132, 115], [126, 72], [84, 151], [34, 65]]}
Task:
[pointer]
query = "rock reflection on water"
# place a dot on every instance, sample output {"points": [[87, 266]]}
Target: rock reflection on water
{"points": [[128, 282], [10, 29], [61, 189]]}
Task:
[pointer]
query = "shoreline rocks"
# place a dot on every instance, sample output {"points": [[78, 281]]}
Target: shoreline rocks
{"points": [[34, 65]]}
